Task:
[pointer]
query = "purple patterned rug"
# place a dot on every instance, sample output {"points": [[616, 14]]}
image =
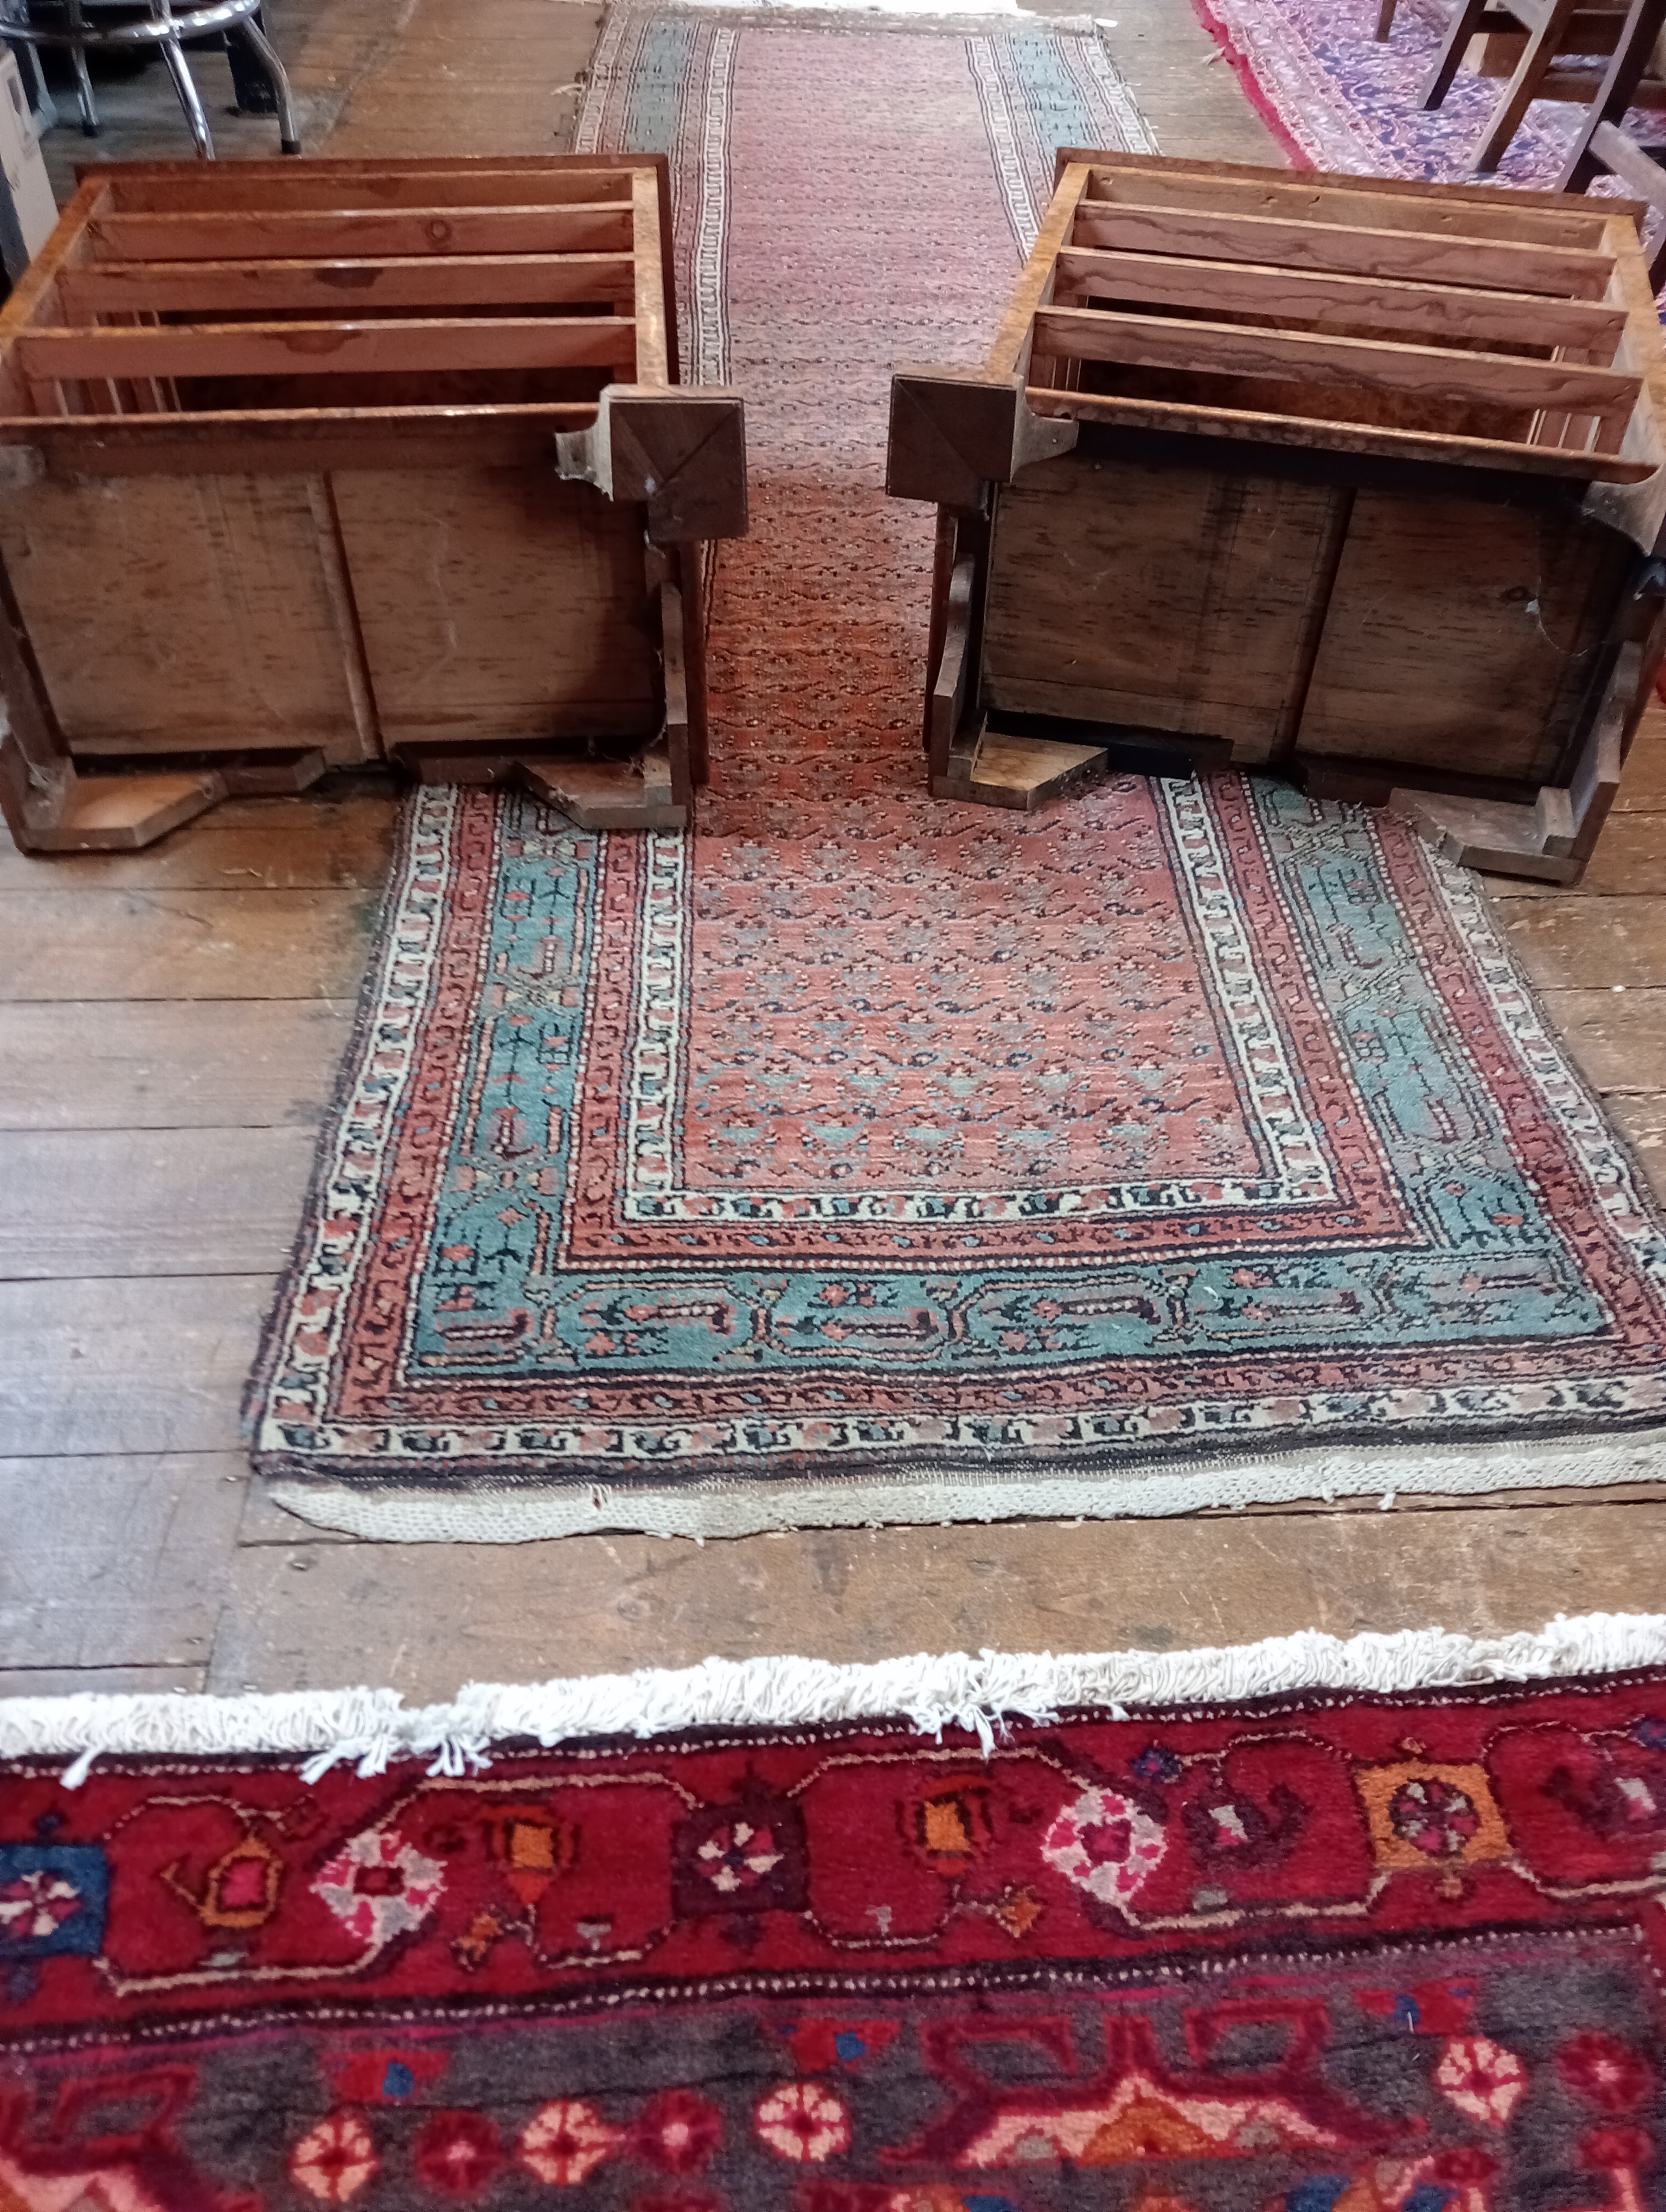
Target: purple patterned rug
{"points": [[1338, 98]]}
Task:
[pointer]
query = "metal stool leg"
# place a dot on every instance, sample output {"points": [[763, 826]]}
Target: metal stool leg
{"points": [[174, 55], [288, 129], [89, 114]]}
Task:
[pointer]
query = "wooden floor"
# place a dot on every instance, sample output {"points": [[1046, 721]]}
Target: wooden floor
{"points": [[170, 1025]]}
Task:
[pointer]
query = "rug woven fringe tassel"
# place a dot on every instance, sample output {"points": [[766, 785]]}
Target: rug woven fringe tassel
{"points": [[371, 1729]]}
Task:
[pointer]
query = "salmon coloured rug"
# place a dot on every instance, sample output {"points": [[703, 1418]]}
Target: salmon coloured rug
{"points": [[1335, 1950], [861, 1157]]}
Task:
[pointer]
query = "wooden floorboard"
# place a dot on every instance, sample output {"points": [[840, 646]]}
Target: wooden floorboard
{"points": [[1642, 1122], [434, 91], [170, 1063], [304, 845], [134, 1363], [195, 1201], [1577, 942], [163, 943], [1186, 91], [107, 1681], [310, 1617], [1618, 1037], [118, 1561], [171, 1025]]}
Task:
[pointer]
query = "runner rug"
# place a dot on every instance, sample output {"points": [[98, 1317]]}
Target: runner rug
{"points": [[862, 1158], [1326, 1952]]}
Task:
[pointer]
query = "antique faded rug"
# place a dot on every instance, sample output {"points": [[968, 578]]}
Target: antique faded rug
{"points": [[1333, 1951], [863, 1158]]}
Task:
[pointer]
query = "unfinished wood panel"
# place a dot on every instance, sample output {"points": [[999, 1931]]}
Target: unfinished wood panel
{"points": [[1572, 272], [354, 232], [1436, 375], [265, 287], [1172, 599], [1464, 211], [176, 188], [338, 348], [1371, 304], [219, 627], [1462, 634], [498, 606], [170, 1063]]}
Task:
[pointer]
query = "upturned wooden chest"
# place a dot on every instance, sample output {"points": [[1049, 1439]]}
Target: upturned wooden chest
{"points": [[306, 464], [1356, 481]]}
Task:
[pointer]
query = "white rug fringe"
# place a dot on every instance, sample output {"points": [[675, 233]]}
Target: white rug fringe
{"points": [[371, 1729]]}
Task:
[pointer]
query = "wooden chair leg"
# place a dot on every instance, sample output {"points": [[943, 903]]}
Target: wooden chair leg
{"points": [[1465, 18], [1625, 72], [1540, 51], [1385, 18], [1657, 266]]}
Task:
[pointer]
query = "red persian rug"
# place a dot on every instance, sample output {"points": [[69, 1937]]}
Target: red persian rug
{"points": [[1319, 1953]]}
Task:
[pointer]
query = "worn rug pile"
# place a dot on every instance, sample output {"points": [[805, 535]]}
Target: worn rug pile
{"points": [[1327, 1952], [865, 1158]]}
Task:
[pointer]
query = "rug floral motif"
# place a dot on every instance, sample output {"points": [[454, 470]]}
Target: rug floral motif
{"points": [[1318, 1954], [864, 1157]]}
